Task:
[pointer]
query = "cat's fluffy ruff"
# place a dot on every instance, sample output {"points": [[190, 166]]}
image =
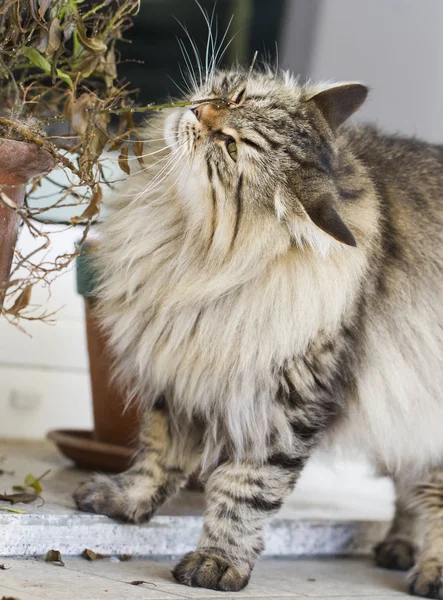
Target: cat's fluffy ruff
{"points": [[215, 326]]}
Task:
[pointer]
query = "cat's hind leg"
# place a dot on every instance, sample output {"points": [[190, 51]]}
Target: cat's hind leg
{"points": [[426, 578], [157, 473], [398, 550]]}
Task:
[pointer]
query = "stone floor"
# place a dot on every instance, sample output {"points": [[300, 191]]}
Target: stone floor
{"points": [[341, 513], [344, 579]]}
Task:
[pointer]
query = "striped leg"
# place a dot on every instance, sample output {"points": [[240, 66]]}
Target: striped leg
{"points": [[426, 578], [158, 472], [399, 548], [241, 497]]}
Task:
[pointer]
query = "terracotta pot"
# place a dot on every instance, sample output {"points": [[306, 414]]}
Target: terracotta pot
{"points": [[114, 422], [19, 162]]}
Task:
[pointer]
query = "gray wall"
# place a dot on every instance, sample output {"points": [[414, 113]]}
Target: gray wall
{"points": [[394, 46]]}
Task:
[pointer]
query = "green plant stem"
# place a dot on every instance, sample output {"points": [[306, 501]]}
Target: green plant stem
{"points": [[141, 109]]}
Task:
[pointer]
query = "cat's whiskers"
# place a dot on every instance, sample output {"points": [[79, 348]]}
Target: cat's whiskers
{"points": [[163, 173], [188, 63], [185, 81], [219, 57], [185, 93], [210, 43], [195, 50], [154, 152]]}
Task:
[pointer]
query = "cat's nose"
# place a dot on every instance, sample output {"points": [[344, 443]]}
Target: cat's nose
{"points": [[197, 110], [209, 115]]}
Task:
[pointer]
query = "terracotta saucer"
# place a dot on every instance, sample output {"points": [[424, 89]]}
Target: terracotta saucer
{"points": [[80, 446]]}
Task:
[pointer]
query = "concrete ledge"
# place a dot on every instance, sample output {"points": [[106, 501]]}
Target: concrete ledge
{"points": [[169, 536]]}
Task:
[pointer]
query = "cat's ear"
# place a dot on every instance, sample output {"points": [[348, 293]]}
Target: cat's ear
{"points": [[323, 214], [339, 102]]}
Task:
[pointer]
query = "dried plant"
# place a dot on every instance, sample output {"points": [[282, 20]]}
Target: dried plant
{"points": [[58, 86]]}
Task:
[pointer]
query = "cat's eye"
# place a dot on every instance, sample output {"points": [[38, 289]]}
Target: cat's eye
{"points": [[231, 147]]}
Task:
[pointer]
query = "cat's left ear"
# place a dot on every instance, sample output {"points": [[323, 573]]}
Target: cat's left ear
{"points": [[323, 214], [339, 102]]}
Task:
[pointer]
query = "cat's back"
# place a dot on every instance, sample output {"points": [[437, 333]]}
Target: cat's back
{"points": [[407, 175], [401, 337], [403, 169]]}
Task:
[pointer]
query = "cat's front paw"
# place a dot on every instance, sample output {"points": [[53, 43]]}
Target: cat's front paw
{"points": [[116, 497], [208, 570], [395, 553], [101, 495], [426, 579]]}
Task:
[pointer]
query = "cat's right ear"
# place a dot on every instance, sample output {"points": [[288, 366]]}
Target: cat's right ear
{"points": [[339, 102]]}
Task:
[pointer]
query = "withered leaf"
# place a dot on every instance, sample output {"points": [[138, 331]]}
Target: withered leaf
{"points": [[91, 555], [92, 44], [44, 5], [3, 568], [21, 301], [78, 112], [140, 582], [43, 40], [23, 497], [116, 145], [124, 557], [123, 160], [9, 598], [54, 38], [89, 65], [138, 151], [54, 557], [93, 207]]}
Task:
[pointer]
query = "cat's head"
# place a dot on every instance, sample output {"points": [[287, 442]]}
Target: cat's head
{"points": [[265, 145]]}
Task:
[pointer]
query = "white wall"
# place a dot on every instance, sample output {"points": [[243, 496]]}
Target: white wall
{"points": [[394, 46], [44, 380]]}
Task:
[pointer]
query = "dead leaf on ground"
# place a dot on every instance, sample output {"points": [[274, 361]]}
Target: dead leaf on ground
{"points": [[9, 598], [21, 497], [34, 482], [54, 557], [3, 568], [140, 582], [91, 555], [124, 557]]}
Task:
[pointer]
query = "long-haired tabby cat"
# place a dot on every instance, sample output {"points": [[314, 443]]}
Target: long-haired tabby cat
{"points": [[272, 282]]}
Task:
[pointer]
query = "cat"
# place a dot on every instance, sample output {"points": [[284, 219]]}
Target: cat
{"points": [[271, 284]]}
